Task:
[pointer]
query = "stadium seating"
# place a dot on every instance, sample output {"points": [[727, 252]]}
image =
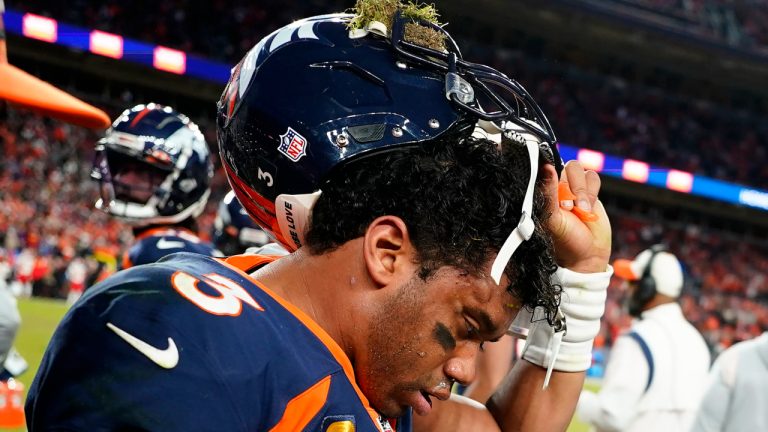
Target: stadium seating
{"points": [[737, 23]]}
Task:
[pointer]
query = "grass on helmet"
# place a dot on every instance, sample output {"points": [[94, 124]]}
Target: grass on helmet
{"points": [[383, 11]]}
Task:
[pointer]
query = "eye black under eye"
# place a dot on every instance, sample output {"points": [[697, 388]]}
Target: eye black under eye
{"points": [[443, 336]]}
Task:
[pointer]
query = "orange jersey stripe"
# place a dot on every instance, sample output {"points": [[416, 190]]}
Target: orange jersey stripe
{"points": [[247, 262], [315, 328], [304, 407]]}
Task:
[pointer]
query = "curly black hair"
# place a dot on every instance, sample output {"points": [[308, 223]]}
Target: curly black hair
{"points": [[460, 198]]}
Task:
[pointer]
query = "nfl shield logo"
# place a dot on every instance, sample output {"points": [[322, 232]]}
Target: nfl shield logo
{"points": [[293, 145]]}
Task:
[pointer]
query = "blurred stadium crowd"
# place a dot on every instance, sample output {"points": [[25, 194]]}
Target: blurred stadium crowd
{"points": [[741, 23], [240, 24], [52, 237]]}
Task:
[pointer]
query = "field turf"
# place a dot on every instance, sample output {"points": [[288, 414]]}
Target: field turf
{"points": [[39, 318]]}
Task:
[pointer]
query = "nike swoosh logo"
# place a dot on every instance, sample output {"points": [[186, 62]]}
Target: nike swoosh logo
{"points": [[167, 358], [169, 244]]}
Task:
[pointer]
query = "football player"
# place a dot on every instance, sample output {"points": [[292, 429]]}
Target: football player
{"points": [[414, 244], [154, 170]]}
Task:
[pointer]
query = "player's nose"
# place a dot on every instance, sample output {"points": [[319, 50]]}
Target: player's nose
{"points": [[461, 366]]}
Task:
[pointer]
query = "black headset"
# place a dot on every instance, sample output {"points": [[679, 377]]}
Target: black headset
{"points": [[646, 285]]}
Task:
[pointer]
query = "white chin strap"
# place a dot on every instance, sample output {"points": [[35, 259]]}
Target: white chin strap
{"points": [[525, 227]]}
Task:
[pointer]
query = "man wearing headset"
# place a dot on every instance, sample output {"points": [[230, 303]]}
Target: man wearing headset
{"points": [[657, 370]]}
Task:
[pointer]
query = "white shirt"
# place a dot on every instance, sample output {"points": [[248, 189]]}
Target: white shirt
{"points": [[737, 397], [680, 365]]}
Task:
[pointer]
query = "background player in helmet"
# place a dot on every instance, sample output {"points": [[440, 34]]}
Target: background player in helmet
{"points": [[234, 232], [154, 168], [414, 242]]}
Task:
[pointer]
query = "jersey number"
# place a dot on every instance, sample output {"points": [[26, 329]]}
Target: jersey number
{"points": [[229, 301]]}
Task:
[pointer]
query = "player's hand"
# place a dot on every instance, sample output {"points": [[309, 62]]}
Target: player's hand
{"points": [[579, 227]]}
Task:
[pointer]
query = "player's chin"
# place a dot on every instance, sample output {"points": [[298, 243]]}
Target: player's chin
{"points": [[391, 410], [392, 407]]}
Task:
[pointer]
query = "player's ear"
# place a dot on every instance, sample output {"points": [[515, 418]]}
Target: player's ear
{"points": [[388, 250]]}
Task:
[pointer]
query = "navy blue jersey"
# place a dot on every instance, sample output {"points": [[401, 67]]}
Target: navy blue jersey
{"points": [[156, 243], [192, 343]]}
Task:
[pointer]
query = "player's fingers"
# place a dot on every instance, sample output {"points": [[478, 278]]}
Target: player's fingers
{"points": [[593, 186], [564, 195], [578, 184]]}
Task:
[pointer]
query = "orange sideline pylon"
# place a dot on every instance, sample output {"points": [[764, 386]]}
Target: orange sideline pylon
{"points": [[23, 89], [11, 404]]}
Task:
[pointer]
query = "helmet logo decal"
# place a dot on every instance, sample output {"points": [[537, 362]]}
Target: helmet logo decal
{"points": [[302, 29], [242, 74], [299, 30], [293, 145]]}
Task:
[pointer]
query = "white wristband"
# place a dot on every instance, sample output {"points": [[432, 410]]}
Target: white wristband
{"points": [[582, 303]]}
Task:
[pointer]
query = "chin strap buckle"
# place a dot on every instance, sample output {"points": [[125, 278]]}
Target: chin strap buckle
{"points": [[526, 226]]}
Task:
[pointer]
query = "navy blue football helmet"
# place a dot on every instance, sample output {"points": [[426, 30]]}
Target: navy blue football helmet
{"points": [[153, 166], [233, 230], [314, 96]]}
